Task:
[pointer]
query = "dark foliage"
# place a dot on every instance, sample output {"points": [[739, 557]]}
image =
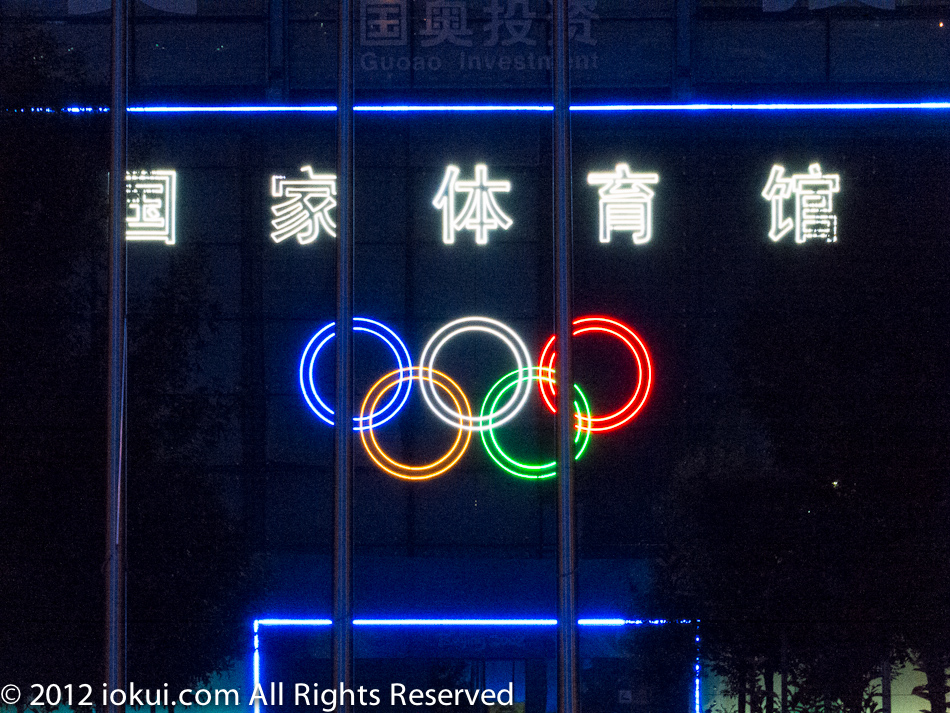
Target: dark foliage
{"points": [[189, 575], [52, 410]]}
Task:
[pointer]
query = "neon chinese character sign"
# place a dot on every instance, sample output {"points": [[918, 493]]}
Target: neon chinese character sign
{"points": [[480, 212], [306, 208], [626, 203], [150, 206], [813, 191]]}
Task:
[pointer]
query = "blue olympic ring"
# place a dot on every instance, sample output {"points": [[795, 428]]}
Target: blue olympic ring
{"points": [[309, 359]]}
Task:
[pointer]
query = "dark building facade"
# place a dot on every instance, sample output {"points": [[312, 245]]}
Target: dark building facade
{"points": [[709, 200]]}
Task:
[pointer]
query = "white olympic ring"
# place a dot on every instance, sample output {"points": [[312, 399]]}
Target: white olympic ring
{"points": [[446, 413]]}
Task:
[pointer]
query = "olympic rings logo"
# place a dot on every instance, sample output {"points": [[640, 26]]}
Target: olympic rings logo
{"points": [[447, 401]]}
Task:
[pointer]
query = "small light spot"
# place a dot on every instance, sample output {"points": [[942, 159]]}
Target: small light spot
{"points": [[834, 483]]}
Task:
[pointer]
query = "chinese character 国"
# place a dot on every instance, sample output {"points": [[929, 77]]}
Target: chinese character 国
{"points": [[150, 206], [384, 22]]}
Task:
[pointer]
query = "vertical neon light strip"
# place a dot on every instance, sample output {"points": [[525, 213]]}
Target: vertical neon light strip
{"points": [[257, 663], [696, 681], [257, 643]]}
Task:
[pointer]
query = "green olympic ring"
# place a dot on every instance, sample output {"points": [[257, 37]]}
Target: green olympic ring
{"points": [[496, 452]]}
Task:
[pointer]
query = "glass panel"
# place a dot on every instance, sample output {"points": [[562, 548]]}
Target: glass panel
{"points": [[220, 315]]}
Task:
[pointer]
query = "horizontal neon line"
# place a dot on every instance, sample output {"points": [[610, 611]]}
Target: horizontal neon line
{"points": [[534, 108], [453, 107], [466, 622], [787, 106], [455, 622], [601, 622], [229, 109], [293, 622]]}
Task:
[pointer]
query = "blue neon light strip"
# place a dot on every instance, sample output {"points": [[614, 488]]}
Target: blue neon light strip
{"points": [[533, 108], [604, 622], [455, 622], [292, 622], [786, 106], [403, 108], [320, 108], [468, 622], [697, 674]]}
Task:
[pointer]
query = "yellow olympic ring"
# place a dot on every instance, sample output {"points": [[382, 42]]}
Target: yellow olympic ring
{"points": [[368, 436]]}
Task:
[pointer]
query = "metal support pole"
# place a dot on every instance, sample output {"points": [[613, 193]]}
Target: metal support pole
{"points": [[343, 435], [277, 83], [567, 679], [682, 60], [115, 482]]}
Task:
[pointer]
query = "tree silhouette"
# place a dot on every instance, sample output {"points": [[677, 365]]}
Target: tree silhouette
{"points": [[190, 577]]}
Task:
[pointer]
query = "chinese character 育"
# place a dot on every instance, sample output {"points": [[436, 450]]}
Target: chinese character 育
{"points": [[626, 203]]}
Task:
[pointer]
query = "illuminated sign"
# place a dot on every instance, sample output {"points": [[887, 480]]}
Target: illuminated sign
{"points": [[259, 626], [309, 360], [434, 379], [626, 203], [535, 471], [638, 350], [303, 207], [503, 333], [150, 206], [813, 191], [446, 399], [306, 208], [480, 212]]}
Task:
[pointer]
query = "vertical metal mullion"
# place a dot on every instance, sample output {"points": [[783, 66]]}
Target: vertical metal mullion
{"points": [[567, 678], [343, 435], [682, 56], [115, 482]]}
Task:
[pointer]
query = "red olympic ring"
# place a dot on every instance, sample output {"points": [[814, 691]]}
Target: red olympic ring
{"points": [[604, 325]]}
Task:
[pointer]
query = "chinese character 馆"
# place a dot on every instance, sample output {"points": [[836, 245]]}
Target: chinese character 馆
{"points": [[480, 213], [150, 206], [813, 193], [626, 203], [307, 208]]}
